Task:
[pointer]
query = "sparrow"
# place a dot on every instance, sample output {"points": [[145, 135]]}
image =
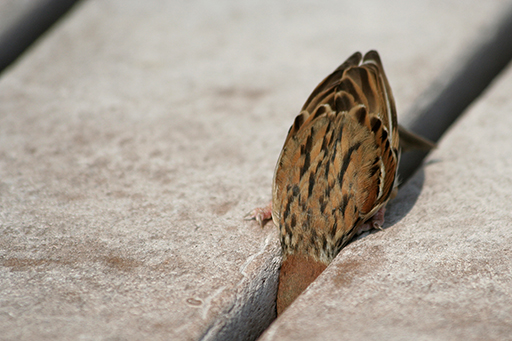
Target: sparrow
{"points": [[336, 171]]}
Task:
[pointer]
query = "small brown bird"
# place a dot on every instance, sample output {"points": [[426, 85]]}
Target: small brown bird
{"points": [[336, 172]]}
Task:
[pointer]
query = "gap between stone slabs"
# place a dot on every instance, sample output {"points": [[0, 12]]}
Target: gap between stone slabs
{"points": [[30, 23], [460, 85]]}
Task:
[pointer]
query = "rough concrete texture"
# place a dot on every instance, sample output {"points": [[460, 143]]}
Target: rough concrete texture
{"points": [[442, 269], [135, 135]]}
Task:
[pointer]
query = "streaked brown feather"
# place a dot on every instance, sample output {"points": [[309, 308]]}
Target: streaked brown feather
{"points": [[339, 160], [336, 170], [410, 141], [334, 77]]}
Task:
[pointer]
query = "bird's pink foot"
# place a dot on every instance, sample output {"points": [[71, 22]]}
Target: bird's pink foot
{"points": [[261, 214], [374, 222]]}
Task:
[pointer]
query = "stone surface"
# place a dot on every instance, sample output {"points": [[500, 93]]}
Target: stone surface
{"points": [[442, 269], [136, 135]]}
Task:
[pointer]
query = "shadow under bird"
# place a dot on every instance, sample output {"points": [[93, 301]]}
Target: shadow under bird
{"points": [[336, 171]]}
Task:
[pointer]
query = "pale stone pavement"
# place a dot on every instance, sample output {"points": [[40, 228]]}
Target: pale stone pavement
{"points": [[134, 136]]}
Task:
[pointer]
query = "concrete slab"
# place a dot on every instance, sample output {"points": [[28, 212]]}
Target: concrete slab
{"points": [[134, 137], [442, 270]]}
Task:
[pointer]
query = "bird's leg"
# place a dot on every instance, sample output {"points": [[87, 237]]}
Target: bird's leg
{"points": [[261, 214], [374, 222]]}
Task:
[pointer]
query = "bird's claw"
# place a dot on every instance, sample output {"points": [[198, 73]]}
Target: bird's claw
{"points": [[260, 214]]}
